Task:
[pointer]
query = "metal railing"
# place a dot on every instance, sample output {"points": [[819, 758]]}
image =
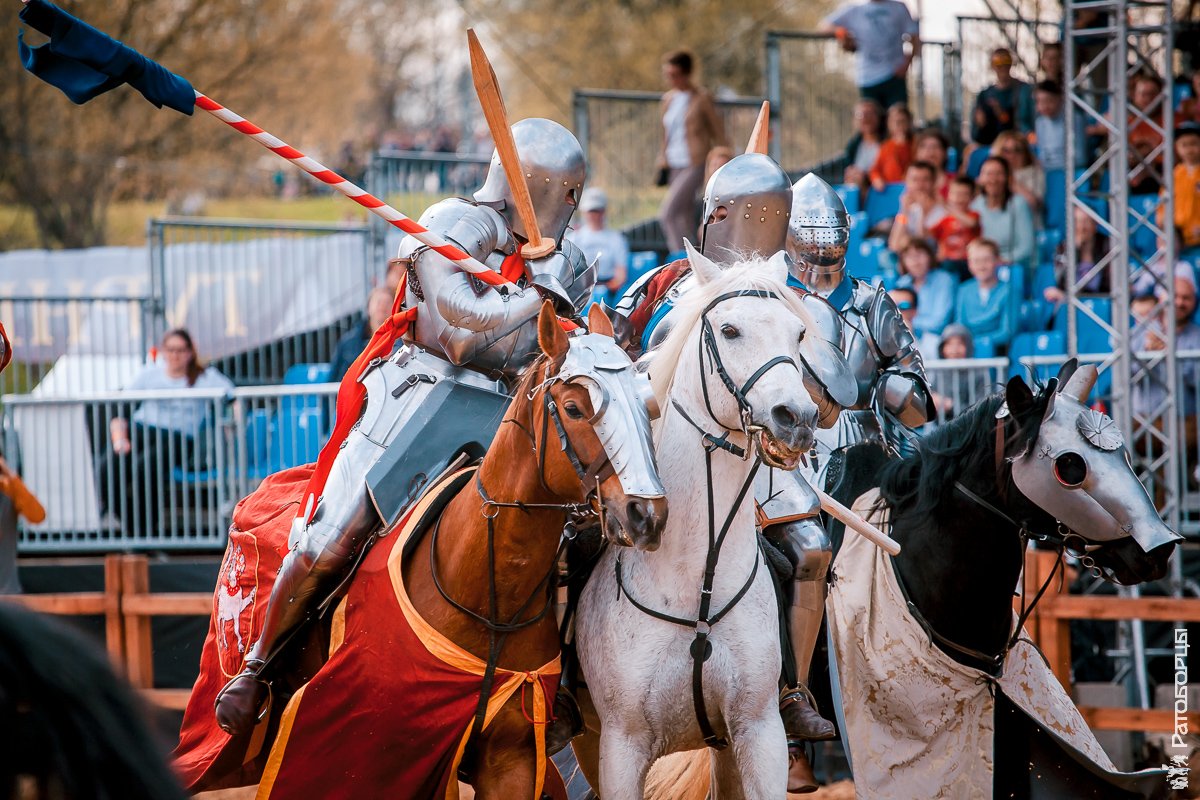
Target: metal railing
{"points": [[412, 181], [259, 296], [621, 133], [170, 488], [810, 83]]}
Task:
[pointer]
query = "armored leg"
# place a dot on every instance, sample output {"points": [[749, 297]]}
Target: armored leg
{"points": [[321, 557]]}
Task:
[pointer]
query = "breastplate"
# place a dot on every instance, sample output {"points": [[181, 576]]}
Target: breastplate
{"points": [[865, 361]]}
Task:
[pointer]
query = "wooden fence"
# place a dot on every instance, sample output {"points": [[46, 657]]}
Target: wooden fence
{"points": [[127, 606]]}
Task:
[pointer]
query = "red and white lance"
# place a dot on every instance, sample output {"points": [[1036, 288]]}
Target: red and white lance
{"points": [[355, 193]]}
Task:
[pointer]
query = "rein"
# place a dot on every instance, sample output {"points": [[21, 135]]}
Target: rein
{"points": [[701, 647], [499, 630]]}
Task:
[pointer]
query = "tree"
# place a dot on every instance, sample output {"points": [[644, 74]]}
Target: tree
{"points": [[283, 63]]}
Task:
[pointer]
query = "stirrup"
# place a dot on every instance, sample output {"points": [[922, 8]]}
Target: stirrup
{"points": [[248, 673]]}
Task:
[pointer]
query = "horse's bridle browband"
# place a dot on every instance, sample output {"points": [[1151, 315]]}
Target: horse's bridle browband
{"points": [[701, 648]]}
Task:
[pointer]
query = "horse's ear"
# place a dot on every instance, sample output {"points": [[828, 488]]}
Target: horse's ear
{"points": [[777, 266], [1066, 371], [598, 321], [1019, 397], [705, 270], [551, 337]]}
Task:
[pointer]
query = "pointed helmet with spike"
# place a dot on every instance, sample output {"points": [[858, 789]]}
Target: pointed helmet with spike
{"points": [[746, 208]]}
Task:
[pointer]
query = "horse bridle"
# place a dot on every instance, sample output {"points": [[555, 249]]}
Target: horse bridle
{"points": [[498, 630], [701, 647]]}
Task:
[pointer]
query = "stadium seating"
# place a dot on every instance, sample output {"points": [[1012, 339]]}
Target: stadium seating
{"points": [[1055, 201], [851, 195], [1091, 338], [1047, 243], [883, 205], [975, 162], [1045, 343], [639, 264], [1142, 238]]}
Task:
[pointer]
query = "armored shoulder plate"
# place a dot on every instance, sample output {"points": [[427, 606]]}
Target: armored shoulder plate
{"points": [[567, 275], [887, 326], [632, 297], [862, 297], [821, 350], [477, 230]]}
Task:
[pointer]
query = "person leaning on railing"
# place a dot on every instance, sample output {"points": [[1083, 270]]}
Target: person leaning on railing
{"points": [[15, 500], [158, 436]]}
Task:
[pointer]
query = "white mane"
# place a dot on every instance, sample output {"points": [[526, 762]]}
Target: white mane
{"points": [[755, 274]]}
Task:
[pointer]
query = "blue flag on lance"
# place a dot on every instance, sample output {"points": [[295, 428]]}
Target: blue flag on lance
{"points": [[84, 62]]}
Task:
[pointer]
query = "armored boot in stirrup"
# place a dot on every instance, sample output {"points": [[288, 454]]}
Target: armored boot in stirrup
{"points": [[567, 722]]}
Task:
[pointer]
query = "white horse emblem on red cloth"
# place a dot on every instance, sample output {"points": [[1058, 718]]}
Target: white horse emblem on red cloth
{"points": [[231, 602]]}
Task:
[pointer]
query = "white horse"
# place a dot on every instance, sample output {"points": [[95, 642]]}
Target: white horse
{"points": [[729, 383]]}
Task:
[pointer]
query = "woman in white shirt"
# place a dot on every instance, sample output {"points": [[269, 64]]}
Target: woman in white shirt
{"points": [[157, 437], [691, 128]]}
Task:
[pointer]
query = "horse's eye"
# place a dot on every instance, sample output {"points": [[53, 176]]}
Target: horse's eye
{"points": [[1070, 469], [573, 410], [729, 332]]}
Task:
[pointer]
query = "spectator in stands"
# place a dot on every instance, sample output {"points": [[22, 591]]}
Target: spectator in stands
{"points": [[1189, 107], [15, 500], [1155, 274], [920, 207], [1187, 185], [906, 303], [1028, 179], [875, 30], [1150, 391], [983, 304], [965, 388], [895, 154], [354, 341], [1090, 247], [74, 728], [955, 231], [863, 147], [932, 147], [1145, 124], [1005, 217], [691, 128], [1050, 63], [158, 436], [933, 288], [1050, 128], [603, 246], [1004, 106]]}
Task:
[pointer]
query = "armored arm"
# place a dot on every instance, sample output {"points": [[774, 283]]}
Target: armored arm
{"points": [[902, 388]]}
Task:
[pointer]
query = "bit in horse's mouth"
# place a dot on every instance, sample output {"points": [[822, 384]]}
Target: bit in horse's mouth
{"points": [[775, 453]]}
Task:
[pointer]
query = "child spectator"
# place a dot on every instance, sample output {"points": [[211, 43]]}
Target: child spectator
{"points": [[932, 147], [896, 153], [863, 148], [1005, 217], [920, 207], [983, 303], [1028, 179], [934, 287], [956, 343], [1187, 184], [1004, 106], [1050, 63], [1050, 128], [955, 231]]}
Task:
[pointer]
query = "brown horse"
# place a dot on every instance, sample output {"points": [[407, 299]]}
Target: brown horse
{"points": [[479, 576]]}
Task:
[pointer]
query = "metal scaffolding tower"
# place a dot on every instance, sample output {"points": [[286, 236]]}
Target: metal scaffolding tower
{"points": [[1108, 43]]}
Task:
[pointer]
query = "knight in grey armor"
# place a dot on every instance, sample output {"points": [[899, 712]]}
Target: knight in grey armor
{"points": [[439, 396], [889, 391], [749, 210]]}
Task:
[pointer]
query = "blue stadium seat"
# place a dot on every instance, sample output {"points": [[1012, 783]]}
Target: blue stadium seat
{"points": [[885, 204], [1047, 243], [1043, 278], [1035, 315], [307, 373], [1142, 240], [1055, 214], [640, 263], [858, 229], [952, 160], [1046, 343], [864, 261], [676, 255], [975, 162], [851, 195], [1090, 337], [1181, 93]]}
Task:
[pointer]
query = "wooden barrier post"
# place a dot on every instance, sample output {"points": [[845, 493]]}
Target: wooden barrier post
{"points": [[114, 623], [139, 654]]}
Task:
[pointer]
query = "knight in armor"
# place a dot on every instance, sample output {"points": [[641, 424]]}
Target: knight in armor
{"points": [[748, 212], [441, 394]]}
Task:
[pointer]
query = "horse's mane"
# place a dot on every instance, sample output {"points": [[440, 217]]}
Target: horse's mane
{"points": [[753, 274], [966, 445]]}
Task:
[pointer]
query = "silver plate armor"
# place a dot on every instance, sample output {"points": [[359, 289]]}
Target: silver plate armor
{"points": [[555, 169], [818, 234], [460, 318], [750, 197], [567, 275]]}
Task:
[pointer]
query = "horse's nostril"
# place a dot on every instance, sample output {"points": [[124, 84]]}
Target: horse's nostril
{"points": [[785, 416], [635, 514]]}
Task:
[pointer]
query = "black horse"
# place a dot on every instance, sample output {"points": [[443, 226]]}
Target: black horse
{"points": [[964, 523]]}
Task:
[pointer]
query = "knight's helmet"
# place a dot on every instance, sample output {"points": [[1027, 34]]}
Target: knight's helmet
{"points": [[818, 235], [554, 169], [746, 207]]}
